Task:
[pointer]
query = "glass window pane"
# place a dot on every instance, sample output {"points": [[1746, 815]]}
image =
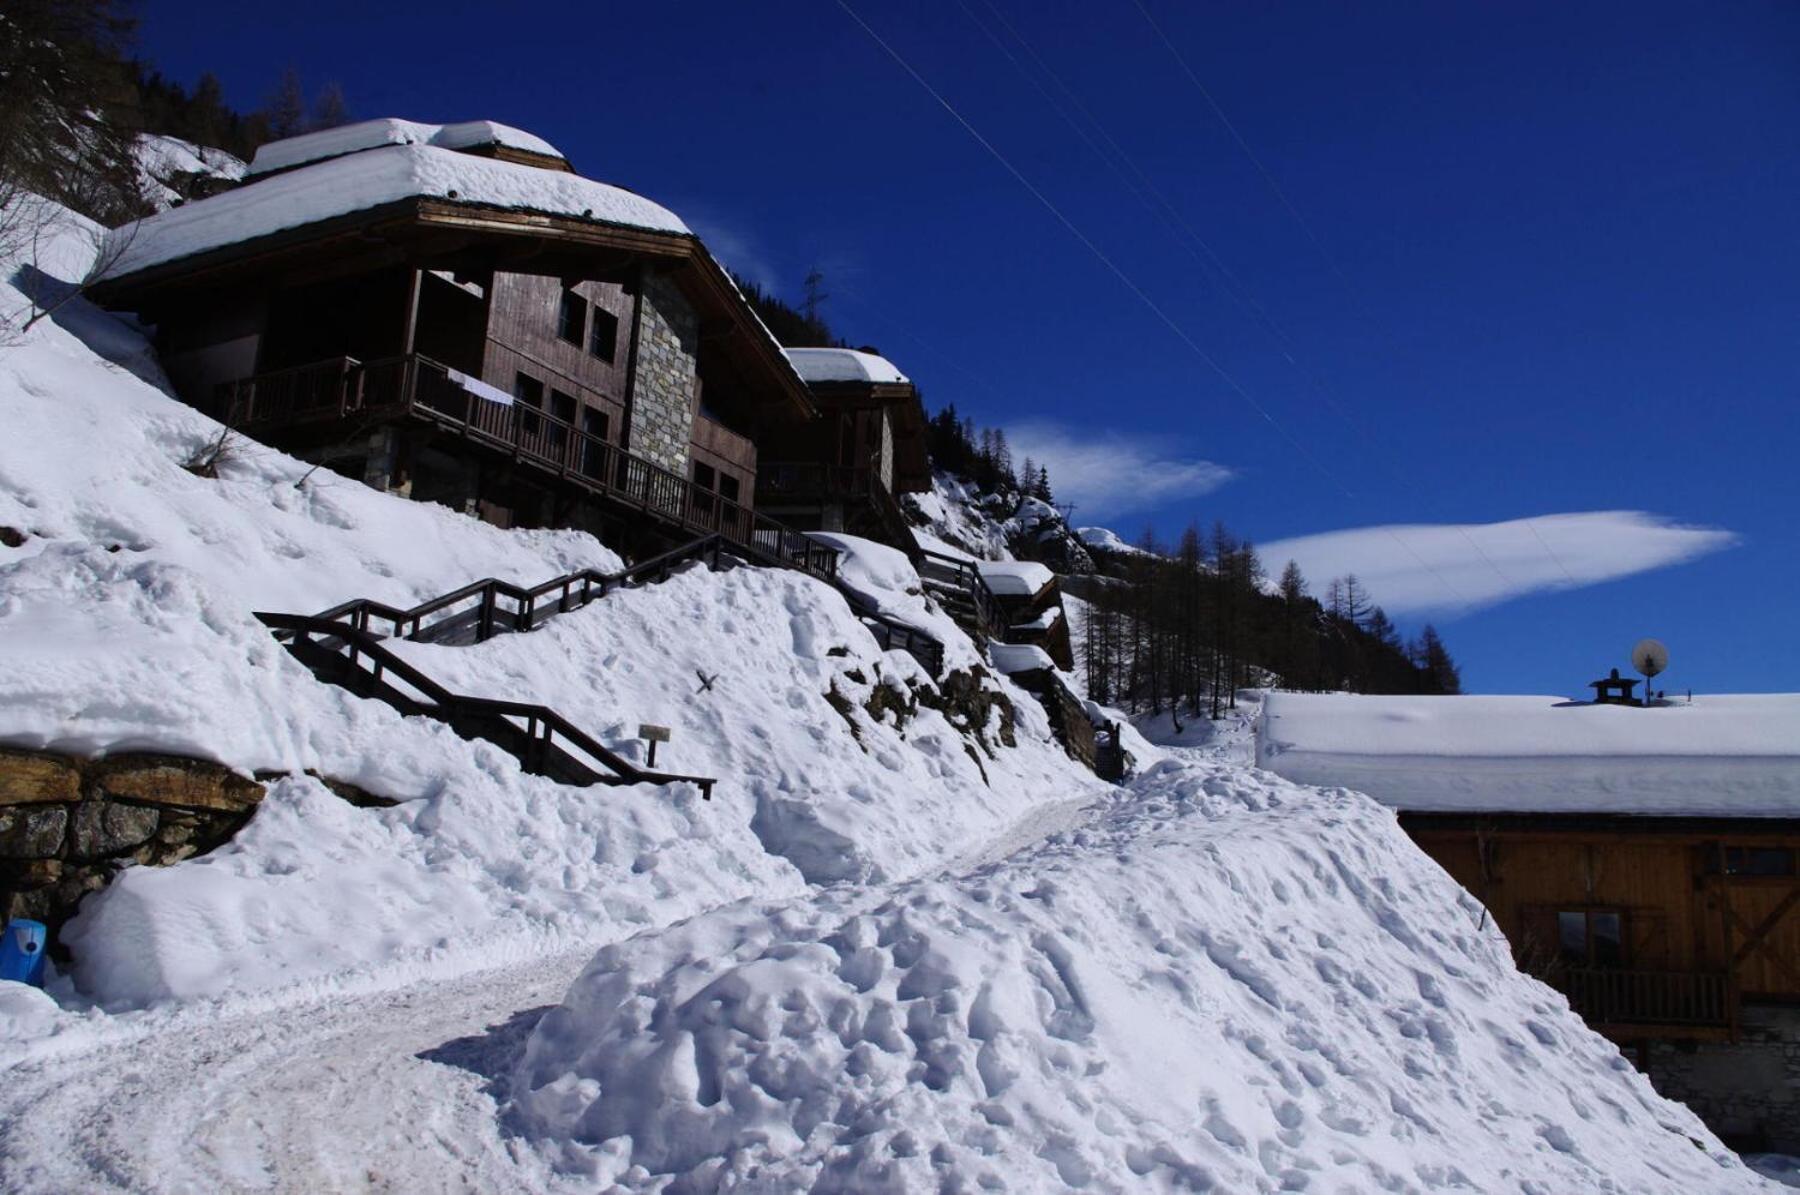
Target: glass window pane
{"points": [[1571, 929], [1607, 942], [571, 317], [604, 335]]}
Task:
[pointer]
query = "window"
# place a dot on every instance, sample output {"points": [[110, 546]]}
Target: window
{"points": [[530, 394], [1751, 861], [571, 317], [562, 409], [603, 336], [1591, 937], [704, 477], [728, 487], [593, 454]]}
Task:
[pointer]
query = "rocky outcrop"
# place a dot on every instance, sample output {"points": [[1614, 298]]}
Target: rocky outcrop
{"points": [[67, 824]]}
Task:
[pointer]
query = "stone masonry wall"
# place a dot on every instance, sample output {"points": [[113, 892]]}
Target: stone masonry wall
{"points": [[662, 405], [67, 825], [1746, 1091]]}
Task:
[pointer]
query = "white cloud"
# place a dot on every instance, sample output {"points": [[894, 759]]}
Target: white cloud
{"points": [[1454, 567], [1110, 474], [740, 251]]}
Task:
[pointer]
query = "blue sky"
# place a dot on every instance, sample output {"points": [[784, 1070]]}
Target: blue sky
{"points": [[1480, 264]]}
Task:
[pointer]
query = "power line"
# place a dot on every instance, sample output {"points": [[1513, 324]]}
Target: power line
{"points": [[1300, 221], [1130, 284]]}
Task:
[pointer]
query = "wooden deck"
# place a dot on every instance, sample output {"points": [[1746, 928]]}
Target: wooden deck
{"points": [[345, 391], [1626, 1003]]}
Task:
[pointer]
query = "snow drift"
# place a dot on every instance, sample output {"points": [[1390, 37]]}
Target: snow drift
{"points": [[1222, 982]]}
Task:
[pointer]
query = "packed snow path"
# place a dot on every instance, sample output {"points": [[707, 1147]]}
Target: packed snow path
{"points": [[391, 1090]]}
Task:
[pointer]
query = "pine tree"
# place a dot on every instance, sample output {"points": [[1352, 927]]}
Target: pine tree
{"points": [[1440, 670], [1043, 492], [286, 109], [329, 109], [1026, 481]]}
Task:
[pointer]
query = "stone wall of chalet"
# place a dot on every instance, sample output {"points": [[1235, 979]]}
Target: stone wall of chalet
{"points": [[664, 394], [1747, 1091]]}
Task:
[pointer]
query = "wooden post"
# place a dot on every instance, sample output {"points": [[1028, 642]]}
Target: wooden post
{"points": [[629, 399], [409, 338]]}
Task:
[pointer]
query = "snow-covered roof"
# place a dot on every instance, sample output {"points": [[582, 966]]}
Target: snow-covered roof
{"points": [[1015, 578], [1010, 658], [1720, 756], [844, 365], [373, 134], [360, 181]]}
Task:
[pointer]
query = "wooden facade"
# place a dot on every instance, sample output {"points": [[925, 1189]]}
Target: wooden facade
{"points": [[529, 369], [843, 472], [1657, 928]]}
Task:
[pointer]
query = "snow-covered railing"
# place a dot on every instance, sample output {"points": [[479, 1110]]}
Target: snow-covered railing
{"points": [[966, 578], [414, 386], [357, 660]]}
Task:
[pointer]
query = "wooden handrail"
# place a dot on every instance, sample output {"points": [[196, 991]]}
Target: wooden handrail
{"points": [[476, 717], [420, 387], [968, 575], [1609, 995]]}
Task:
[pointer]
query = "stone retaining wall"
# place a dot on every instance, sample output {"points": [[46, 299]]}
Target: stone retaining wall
{"points": [[67, 825]]}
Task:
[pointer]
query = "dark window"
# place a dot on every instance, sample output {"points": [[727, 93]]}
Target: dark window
{"points": [[530, 394], [562, 406], [1752, 861], [603, 335], [728, 487], [1591, 938], [593, 454], [704, 477], [571, 317]]}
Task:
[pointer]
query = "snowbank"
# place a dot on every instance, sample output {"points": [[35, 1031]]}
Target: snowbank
{"points": [[844, 365], [365, 180], [1729, 755], [885, 579], [373, 134], [1224, 982]]}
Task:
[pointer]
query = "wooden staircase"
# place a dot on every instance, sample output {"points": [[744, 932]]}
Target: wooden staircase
{"points": [[542, 740]]}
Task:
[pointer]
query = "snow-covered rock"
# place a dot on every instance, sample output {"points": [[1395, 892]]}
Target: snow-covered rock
{"points": [[172, 171]]}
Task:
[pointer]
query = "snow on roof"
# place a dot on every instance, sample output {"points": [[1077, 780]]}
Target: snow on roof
{"points": [[845, 365], [365, 180], [1719, 756], [1015, 578], [373, 134], [1009, 658]]}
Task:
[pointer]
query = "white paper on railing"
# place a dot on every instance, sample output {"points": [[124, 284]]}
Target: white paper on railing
{"points": [[479, 388]]}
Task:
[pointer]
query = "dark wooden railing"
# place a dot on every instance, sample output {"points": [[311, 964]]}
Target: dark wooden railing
{"points": [[481, 609], [1620, 997], [966, 578], [343, 388], [544, 742], [811, 479]]}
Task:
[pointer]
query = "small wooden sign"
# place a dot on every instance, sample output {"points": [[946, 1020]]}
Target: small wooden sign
{"points": [[653, 734]]}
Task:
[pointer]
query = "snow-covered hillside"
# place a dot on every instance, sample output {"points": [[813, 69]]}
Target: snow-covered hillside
{"points": [[892, 953], [172, 171], [958, 518]]}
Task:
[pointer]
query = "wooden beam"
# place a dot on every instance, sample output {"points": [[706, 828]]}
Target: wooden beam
{"points": [[1754, 938]]}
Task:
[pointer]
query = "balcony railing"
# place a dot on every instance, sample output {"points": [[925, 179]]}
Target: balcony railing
{"points": [[1605, 996], [344, 390]]}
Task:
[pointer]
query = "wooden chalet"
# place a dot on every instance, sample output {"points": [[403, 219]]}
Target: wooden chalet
{"points": [[844, 471], [1645, 862], [449, 312]]}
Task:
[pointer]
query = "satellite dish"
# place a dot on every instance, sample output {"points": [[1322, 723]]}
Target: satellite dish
{"points": [[1649, 657]]}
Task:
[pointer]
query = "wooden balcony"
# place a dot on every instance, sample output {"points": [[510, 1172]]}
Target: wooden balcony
{"points": [[352, 393], [1615, 999]]}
